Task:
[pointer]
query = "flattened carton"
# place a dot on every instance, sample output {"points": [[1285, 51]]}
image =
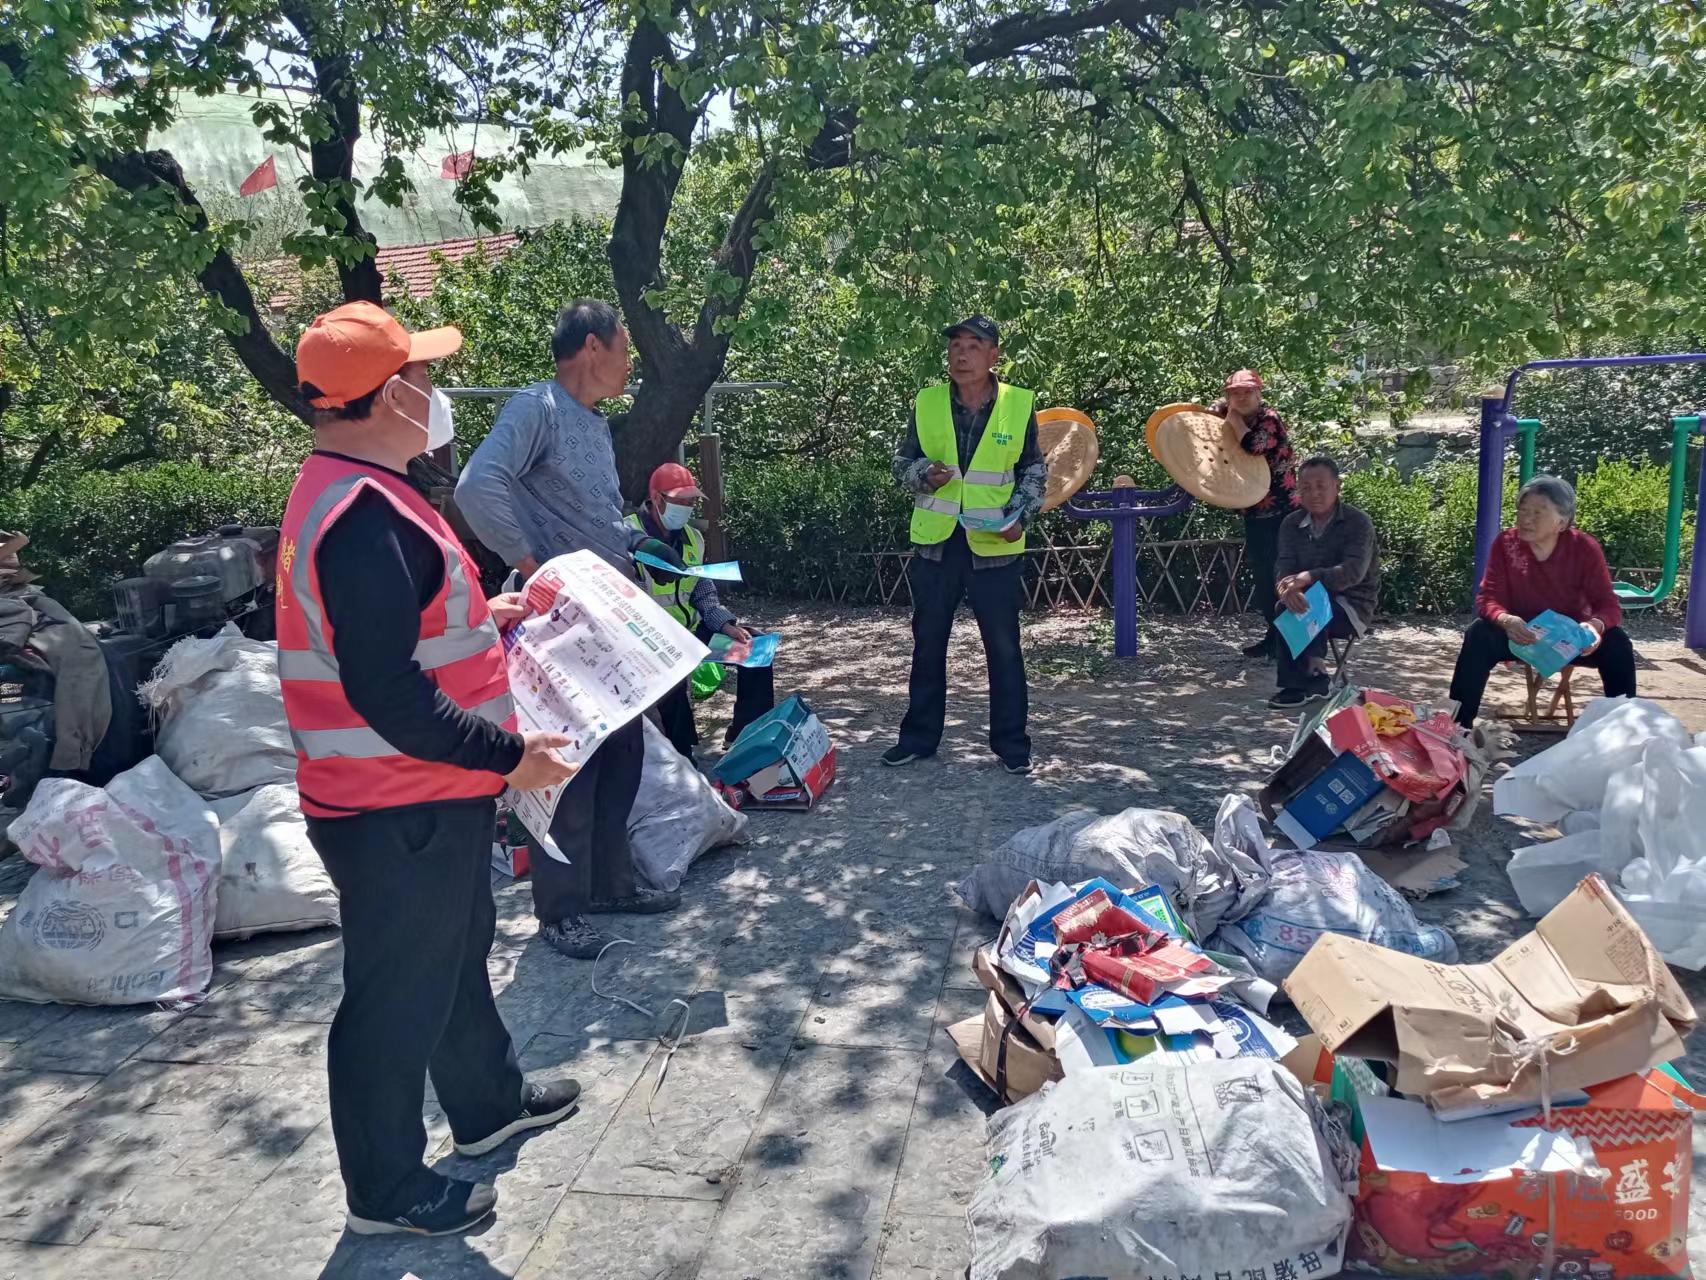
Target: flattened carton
{"points": [[1586, 989], [782, 760], [1609, 1181]]}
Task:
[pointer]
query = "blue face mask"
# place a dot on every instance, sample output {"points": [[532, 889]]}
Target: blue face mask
{"points": [[675, 516]]}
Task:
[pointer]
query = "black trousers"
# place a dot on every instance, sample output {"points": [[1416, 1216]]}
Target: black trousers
{"points": [[755, 693], [1485, 646], [1297, 673], [591, 828], [1261, 546], [414, 889], [995, 596]]}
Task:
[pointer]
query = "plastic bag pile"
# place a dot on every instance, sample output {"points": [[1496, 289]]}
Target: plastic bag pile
{"points": [[1627, 788], [204, 840], [1236, 892]]}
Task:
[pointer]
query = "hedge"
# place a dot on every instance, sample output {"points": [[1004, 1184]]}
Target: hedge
{"points": [[786, 521], [88, 532]]}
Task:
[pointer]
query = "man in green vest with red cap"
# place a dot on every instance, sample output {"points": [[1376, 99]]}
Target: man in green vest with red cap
{"points": [[972, 461]]}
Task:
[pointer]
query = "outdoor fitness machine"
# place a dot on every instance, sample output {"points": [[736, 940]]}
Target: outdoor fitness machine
{"points": [[1497, 428], [1199, 450]]}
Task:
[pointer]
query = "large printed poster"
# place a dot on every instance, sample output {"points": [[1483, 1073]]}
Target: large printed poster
{"points": [[595, 653]]}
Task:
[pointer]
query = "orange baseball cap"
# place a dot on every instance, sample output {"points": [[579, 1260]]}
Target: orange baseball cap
{"points": [[1244, 378], [353, 349], [675, 481]]}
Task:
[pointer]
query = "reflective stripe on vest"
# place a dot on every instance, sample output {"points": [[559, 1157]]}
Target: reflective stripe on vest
{"points": [[984, 489], [670, 594], [344, 765]]}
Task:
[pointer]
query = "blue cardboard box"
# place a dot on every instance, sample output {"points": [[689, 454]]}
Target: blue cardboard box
{"points": [[1328, 800]]}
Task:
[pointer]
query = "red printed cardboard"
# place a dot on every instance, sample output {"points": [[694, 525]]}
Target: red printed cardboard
{"points": [[1478, 1197], [1420, 764]]}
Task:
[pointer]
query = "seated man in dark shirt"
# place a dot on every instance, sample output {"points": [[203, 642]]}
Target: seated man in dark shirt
{"points": [[1331, 543]]}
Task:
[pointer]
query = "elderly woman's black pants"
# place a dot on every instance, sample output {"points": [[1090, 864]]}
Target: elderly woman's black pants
{"points": [[1485, 646]]}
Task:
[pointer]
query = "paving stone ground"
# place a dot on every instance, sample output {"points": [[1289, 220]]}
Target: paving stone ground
{"points": [[814, 1124]]}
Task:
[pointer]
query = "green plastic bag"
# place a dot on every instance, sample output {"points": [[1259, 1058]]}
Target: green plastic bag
{"points": [[707, 678]]}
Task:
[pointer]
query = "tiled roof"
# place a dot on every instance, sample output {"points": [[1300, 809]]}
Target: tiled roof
{"points": [[413, 267], [405, 268]]}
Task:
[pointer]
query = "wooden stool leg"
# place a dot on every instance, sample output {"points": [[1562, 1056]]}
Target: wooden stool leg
{"points": [[1533, 678]]}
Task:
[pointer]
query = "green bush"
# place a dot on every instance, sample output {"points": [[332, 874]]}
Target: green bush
{"points": [[1624, 506], [793, 523], [1426, 527], [89, 531]]}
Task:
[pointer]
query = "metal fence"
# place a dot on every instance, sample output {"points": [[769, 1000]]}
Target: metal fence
{"points": [[1182, 576], [1203, 576]]}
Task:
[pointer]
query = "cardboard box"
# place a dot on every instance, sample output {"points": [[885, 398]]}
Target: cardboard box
{"points": [[510, 859], [1000, 984], [1308, 758], [782, 760], [1609, 1181], [1327, 801], [1586, 983], [1418, 763], [1029, 1065]]}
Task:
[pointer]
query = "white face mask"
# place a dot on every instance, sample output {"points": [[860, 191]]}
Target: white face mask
{"points": [[675, 516], [439, 427]]}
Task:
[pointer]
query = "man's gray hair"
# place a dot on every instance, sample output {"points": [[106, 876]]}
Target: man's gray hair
{"points": [[1555, 491]]}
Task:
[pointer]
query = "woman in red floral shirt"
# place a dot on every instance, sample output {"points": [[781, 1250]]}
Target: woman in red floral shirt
{"points": [[1265, 436]]}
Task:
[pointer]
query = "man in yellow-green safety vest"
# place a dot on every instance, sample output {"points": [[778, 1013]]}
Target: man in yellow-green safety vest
{"points": [[671, 496], [971, 460]]}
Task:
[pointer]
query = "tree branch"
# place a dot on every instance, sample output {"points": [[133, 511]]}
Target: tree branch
{"points": [[1014, 35], [44, 452], [739, 257], [332, 159], [276, 372]]}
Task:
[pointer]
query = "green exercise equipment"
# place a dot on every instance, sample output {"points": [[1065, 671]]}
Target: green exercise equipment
{"points": [[1681, 429]]}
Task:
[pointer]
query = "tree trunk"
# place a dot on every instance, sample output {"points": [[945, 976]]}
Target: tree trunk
{"points": [[649, 433]]}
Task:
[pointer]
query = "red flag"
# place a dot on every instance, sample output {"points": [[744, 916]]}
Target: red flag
{"points": [[264, 177], [456, 165]]}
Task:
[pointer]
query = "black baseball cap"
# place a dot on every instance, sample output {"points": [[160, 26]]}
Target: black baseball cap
{"points": [[978, 325]]}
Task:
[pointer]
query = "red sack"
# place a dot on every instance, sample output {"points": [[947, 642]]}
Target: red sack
{"points": [[1419, 764]]}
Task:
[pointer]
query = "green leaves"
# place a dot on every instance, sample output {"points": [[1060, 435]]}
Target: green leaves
{"points": [[1300, 183]]}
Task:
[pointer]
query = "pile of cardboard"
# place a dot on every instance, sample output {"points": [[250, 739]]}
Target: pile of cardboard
{"points": [[1373, 769], [1530, 1122], [1089, 975]]}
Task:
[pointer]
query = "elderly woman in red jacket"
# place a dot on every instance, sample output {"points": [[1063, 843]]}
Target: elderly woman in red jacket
{"points": [[1545, 562]]}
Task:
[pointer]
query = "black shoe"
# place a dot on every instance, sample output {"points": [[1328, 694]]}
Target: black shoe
{"points": [[456, 1207], [897, 756], [1291, 699], [1016, 764], [642, 902], [575, 937], [543, 1104], [1263, 648]]}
